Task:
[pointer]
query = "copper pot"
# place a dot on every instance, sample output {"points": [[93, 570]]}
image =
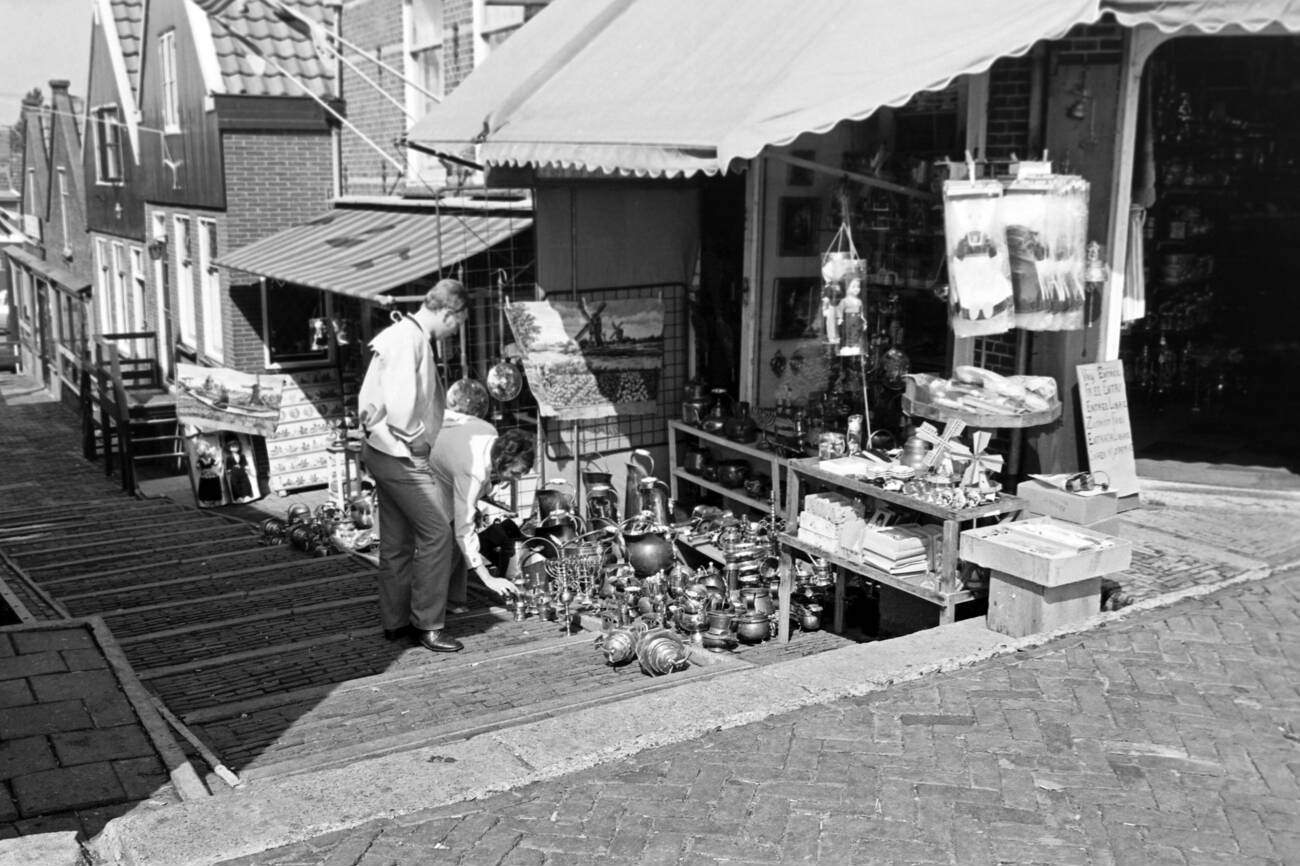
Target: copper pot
{"points": [[695, 459], [753, 628], [732, 473]]}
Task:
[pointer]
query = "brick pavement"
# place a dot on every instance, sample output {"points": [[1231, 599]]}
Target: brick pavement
{"points": [[73, 751], [1167, 737]]}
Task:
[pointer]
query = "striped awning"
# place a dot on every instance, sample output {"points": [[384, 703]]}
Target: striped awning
{"points": [[366, 253]]}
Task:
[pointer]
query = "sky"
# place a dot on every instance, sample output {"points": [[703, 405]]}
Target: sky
{"points": [[40, 40]]}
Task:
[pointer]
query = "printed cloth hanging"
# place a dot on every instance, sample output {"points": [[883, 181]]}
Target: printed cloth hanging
{"points": [[218, 398], [1039, 224], [591, 359], [979, 291]]}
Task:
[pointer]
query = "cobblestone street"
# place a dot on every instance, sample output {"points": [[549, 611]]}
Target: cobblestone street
{"points": [[1169, 737]]}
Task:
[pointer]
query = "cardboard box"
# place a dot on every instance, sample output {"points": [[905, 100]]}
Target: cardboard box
{"points": [[1008, 550], [1042, 498]]}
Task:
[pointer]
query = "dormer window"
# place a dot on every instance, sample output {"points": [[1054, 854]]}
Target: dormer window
{"points": [[171, 98], [108, 144]]}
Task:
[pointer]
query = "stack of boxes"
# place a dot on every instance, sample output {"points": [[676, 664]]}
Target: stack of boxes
{"points": [[823, 517], [1095, 511], [839, 525]]}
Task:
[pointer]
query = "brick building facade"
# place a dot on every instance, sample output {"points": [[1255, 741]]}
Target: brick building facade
{"points": [[51, 277]]}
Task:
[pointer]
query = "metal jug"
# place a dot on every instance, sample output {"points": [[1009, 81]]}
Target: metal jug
{"points": [[654, 497], [602, 504], [640, 465]]}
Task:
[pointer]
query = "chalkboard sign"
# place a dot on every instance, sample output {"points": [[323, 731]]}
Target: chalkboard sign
{"points": [[1104, 403]]}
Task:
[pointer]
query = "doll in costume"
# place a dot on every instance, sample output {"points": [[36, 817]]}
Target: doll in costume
{"points": [[236, 462], [209, 488]]}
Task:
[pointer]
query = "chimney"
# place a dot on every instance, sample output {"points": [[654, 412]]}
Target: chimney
{"points": [[59, 85]]}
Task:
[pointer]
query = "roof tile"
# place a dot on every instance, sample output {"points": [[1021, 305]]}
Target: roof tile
{"points": [[128, 16], [258, 23]]}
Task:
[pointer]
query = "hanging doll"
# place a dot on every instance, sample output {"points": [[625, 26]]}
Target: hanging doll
{"points": [[832, 299], [851, 320], [209, 488], [236, 464]]}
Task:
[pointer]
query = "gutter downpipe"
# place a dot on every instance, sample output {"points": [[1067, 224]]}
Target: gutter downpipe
{"points": [[336, 134]]}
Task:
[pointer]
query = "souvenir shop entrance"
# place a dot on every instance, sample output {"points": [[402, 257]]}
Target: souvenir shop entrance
{"points": [[1214, 366]]}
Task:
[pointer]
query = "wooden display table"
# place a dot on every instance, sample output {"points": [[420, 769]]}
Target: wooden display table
{"points": [[947, 594]]}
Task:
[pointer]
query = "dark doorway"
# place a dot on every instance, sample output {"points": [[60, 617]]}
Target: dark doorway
{"points": [[1213, 365], [715, 312]]}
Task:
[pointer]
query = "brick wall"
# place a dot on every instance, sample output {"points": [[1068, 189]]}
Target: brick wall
{"points": [[273, 180], [375, 26], [1098, 43], [459, 45]]}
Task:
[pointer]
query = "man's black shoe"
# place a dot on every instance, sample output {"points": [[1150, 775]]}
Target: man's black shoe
{"points": [[438, 642], [406, 632]]}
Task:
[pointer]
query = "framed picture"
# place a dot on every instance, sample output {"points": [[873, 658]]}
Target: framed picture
{"points": [[796, 307], [797, 175], [797, 226]]}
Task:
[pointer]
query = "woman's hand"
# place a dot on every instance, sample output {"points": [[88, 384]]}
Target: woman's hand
{"points": [[499, 585]]}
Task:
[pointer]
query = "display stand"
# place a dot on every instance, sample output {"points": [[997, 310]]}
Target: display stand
{"points": [[947, 594], [980, 420]]}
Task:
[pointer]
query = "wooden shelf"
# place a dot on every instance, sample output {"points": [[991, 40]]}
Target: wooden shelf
{"points": [[729, 492], [775, 466], [739, 447], [898, 582]]}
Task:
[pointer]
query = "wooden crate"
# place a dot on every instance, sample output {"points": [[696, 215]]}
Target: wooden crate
{"points": [[1019, 607], [1108, 526], [995, 548]]}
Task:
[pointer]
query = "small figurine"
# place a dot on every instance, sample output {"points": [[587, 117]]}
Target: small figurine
{"points": [[832, 297], [851, 320]]}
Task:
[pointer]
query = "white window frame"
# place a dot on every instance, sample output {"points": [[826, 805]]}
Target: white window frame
{"points": [[108, 145], [210, 291], [139, 282], [326, 357], [418, 43], [185, 312], [121, 322], [65, 201], [159, 233], [103, 286], [422, 167], [168, 87]]}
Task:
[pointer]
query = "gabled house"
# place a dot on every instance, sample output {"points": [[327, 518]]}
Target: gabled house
{"points": [[210, 131], [50, 275]]}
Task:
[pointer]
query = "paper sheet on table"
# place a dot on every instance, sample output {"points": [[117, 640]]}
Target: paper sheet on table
{"points": [[850, 465], [1058, 481]]}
